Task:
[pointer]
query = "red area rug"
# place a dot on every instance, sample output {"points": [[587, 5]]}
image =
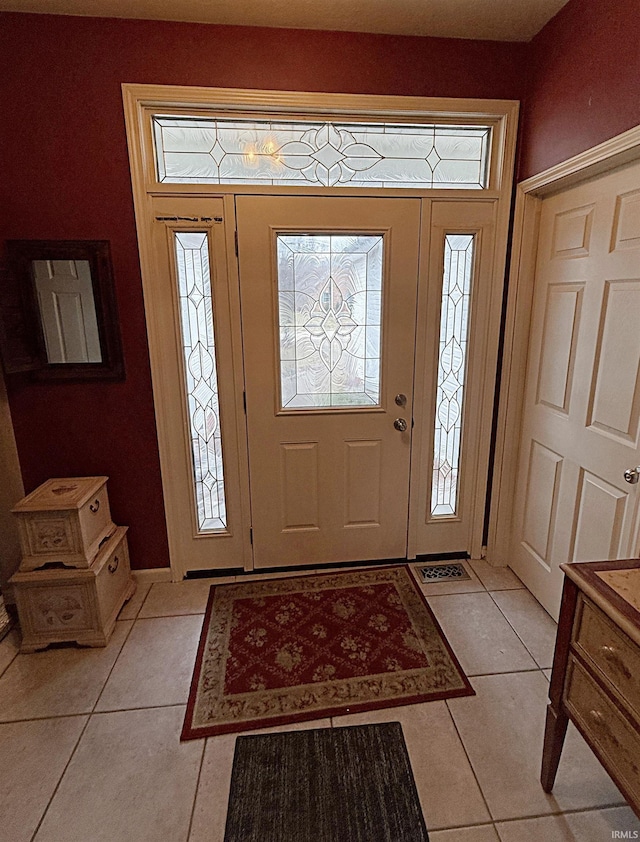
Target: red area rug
{"points": [[307, 647]]}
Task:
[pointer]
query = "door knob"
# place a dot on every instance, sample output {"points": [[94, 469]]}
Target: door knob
{"points": [[400, 424], [632, 475]]}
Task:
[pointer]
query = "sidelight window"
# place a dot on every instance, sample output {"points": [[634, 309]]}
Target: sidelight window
{"points": [[452, 361], [201, 382]]}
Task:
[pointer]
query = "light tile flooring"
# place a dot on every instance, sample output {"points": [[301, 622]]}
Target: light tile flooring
{"points": [[90, 749]]}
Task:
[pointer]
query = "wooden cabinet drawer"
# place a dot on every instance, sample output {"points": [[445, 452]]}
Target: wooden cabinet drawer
{"points": [[64, 522], [611, 734], [609, 650]]}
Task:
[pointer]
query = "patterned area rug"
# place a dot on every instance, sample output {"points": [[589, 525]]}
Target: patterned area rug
{"points": [[300, 648]]}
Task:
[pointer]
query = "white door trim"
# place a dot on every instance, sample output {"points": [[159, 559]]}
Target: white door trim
{"points": [[140, 101], [620, 150]]}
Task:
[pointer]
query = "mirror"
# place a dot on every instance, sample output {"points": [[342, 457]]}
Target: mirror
{"points": [[67, 310], [68, 303]]}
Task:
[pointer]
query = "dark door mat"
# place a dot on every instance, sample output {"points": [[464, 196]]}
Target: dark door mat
{"points": [[324, 785]]}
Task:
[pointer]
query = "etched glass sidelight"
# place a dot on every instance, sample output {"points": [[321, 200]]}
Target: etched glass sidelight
{"points": [[454, 330], [330, 317], [196, 319], [226, 151]]}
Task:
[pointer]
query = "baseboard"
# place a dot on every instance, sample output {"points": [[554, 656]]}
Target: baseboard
{"points": [[152, 574]]}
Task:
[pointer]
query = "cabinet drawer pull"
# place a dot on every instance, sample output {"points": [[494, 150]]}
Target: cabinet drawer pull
{"points": [[113, 565], [599, 718], [93, 507], [612, 655]]}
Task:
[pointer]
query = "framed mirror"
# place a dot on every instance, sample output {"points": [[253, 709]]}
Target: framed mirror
{"points": [[62, 311]]}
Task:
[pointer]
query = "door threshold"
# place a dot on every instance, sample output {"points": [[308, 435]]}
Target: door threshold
{"points": [[337, 565]]}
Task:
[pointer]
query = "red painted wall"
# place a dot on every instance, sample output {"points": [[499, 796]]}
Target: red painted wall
{"points": [[585, 81], [65, 175]]}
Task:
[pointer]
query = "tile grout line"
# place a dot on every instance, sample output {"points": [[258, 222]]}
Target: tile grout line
{"points": [[163, 616], [466, 754], [44, 718], [15, 654], [195, 794], [144, 601], [64, 771], [519, 636], [573, 811], [533, 817], [82, 733], [113, 666], [496, 821], [471, 674]]}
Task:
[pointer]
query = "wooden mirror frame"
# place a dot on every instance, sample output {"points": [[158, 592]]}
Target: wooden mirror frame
{"points": [[22, 340]]}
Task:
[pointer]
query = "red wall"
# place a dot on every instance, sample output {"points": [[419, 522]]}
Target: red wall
{"points": [[65, 175], [585, 81]]}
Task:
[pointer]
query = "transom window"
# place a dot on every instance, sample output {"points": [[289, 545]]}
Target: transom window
{"points": [[192, 150]]}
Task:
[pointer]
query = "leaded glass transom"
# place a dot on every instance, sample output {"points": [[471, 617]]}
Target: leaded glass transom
{"points": [[330, 317], [227, 151], [454, 331], [196, 318]]}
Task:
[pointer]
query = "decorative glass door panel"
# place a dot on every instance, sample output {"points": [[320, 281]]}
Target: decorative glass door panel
{"points": [[454, 334], [330, 315], [201, 378], [329, 465]]}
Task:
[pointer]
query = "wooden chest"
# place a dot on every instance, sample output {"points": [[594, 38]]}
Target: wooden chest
{"points": [[57, 604], [63, 522]]}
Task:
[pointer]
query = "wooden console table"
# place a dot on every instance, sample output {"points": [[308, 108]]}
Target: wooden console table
{"points": [[595, 681]]}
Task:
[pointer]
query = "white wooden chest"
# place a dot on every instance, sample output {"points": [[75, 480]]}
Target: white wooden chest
{"points": [[61, 604], [63, 522]]}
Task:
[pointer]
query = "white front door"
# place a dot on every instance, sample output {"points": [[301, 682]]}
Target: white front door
{"points": [[582, 402], [328, 290]]}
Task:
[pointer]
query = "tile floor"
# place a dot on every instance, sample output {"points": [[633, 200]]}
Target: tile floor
{"points": [[90, 750]]}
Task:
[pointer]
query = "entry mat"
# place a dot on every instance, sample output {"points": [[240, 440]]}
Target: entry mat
{"points": [[351, 784]]}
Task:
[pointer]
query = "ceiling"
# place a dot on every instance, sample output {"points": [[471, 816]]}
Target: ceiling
{"points": [[496, 20]]}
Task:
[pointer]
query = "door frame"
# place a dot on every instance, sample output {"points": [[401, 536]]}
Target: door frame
{"points": [[141, 101], [530, 193]]}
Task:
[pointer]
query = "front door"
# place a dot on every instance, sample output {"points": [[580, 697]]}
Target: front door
{"points": [[328, 291]]}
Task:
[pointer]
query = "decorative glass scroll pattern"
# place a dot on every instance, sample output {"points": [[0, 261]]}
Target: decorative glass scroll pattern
{"points": [[210, 151], [454, 330], [196, 318], [330, 317]]}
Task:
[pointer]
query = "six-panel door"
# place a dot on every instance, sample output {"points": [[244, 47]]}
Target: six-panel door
{"points": [[582, 405]]}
